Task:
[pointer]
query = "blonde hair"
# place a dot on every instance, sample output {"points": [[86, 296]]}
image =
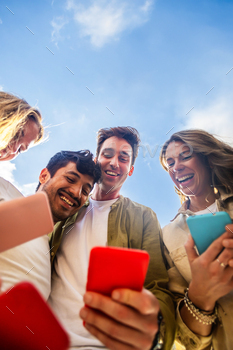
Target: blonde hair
{"points": [[216, 154], [14, 114]]}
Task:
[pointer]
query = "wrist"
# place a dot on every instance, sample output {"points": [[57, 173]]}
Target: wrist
{"points": [[205, 304], [206, 317], [158, 340]]}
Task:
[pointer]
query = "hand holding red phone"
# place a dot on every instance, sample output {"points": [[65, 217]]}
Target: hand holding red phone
{"points": [[124, 318], [126, 321]]}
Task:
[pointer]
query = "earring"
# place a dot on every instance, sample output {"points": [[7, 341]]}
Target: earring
{"points": [[215, 190]]}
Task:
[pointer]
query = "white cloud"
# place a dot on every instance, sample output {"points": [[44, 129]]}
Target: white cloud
{"points": [[0, 21], [28, 189], [57, 24], [1, 88], [105, 20], [216, 119], [6, 171]]}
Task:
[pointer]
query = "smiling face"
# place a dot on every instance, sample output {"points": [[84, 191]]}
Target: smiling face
{"points": [[21, 141], [67, 190], [187, 170], [115, 158]]}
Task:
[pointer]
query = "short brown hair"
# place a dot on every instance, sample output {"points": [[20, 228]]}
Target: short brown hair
{"points": [[131, 135]]}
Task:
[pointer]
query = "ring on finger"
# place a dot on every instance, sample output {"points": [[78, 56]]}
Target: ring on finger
{"points": [[221, 263]]}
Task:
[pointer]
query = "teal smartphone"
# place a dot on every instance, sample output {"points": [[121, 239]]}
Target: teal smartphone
{"points": [[207, 227]]}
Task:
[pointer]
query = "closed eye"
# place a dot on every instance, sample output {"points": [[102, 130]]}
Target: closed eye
{"points": [[186, 158], [69, 179]]}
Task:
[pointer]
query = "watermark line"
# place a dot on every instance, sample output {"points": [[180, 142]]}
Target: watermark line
{"points": [[189, 110], [90, 90], [9, 290], [110, 189], [30, 269], [229, 71], [169, 130], [210, 210], [10, 310], [47, 348], [29, 329], [209, 90], [49, 250], [30, 30], [49, 50], [109, 110], [70, 70], [10, 10], [89, 211], [69, 229]]}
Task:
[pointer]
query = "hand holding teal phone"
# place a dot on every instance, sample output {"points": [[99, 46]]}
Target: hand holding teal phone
{"points": [[207, 227]]}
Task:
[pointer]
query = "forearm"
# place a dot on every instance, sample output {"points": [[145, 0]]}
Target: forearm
{"points": [[197, 318], [194, 325]]}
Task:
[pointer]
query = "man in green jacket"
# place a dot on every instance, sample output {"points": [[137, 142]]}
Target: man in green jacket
{"points": [[129, 319]]}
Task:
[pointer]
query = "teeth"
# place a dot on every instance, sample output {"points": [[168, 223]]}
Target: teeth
{"points": [[66, 200], [181, 179], [111, 173]]}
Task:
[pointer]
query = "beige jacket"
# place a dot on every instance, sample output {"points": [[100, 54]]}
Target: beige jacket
{"points": [[174, 236]]}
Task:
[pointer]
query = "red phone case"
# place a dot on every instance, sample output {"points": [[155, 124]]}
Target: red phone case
{"points": [[111, 268], [27, 323]]}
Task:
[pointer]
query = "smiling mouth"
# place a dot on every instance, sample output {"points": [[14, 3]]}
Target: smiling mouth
{"points": [[66, 200], [111, 173], [184, 178]]}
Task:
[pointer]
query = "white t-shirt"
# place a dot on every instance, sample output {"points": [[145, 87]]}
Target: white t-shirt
{"points": [[70, 270], [211, 209], [27, 262]]}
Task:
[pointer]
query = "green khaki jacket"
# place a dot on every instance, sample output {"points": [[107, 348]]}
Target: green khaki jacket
{"points": [[132, 225]]}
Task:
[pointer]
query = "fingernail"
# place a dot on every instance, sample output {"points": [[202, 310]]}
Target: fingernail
{"points": [[116, 295], [87, 298], [83, 313]]}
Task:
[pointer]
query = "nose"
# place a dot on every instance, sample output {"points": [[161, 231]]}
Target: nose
{"points": [[76, 191], [114, 161], [23, 147], [178, 166], [13, 147]]}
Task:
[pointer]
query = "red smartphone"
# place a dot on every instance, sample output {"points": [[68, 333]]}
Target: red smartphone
{"points": [[27, 322], [111, 268]]}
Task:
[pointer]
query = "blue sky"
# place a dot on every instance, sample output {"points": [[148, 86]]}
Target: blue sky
{"points": [[144, 63]]}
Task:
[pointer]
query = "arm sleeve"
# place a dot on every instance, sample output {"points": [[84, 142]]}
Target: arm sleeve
{"points": [[184, 336], [157, 276]]}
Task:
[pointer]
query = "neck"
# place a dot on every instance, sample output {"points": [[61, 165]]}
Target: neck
{"points": [[103, 194], [201, 203]]}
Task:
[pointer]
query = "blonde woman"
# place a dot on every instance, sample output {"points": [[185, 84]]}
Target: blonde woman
{"points": [[201, 168], [20, 126]]}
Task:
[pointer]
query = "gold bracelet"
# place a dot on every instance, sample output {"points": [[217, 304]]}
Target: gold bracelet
{"points": [[197, 313]]}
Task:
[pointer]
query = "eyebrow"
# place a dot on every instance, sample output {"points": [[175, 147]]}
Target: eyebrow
{"points": [[124, 153], [77, 175], [73, 173], [108, 149], [181, 154]]}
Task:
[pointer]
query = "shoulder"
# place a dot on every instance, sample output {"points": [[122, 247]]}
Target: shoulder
{"points": [[124, 201], [137, 211]]}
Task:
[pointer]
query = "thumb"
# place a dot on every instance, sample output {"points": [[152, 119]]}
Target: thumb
{"points": [[190, 250]]}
